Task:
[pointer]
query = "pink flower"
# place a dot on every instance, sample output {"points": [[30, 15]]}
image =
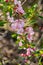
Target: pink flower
{"points": [[18, 26], [29, 37], [20, 31], [29, 50], [29, 31], [20, 43], [20, 10], [24, 55], [15, 2], [18, 7]]}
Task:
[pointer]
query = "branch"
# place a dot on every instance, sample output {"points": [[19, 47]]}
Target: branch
{"points": [[23, 2]]}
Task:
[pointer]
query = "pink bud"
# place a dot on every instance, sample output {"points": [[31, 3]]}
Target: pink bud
{"points": [[20, 43]]}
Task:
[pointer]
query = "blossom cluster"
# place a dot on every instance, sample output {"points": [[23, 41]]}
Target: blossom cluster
{"points": [[25, 35], [29, 52], [18, 24], [18, 8]]}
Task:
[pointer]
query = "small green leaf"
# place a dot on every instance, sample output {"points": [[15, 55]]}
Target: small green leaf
{"points": [[10, 12], [33, 22], [2, 23], [41, 17], [13, 35], [40, 61]]}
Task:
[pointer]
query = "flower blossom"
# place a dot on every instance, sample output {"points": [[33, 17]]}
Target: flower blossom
{"points": [[18, 26], [18, 8], [28, 53], [29, 50], [15, 2], [20, 43], [29, 31]]}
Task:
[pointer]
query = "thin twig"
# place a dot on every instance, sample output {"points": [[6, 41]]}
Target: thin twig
{"points": [[24, 2], [38, 43]]}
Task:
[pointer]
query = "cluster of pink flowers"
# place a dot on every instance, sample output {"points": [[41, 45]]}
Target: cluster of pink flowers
{"points": [[18, 8], [28, 53], [18, 24], [29, 31], [24, 34], [29, 50]]}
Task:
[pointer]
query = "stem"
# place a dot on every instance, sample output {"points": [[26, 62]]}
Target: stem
{"points": [[23, 2]]}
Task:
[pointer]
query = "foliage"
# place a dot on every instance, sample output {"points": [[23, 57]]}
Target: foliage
{"points": [[21, 23]]}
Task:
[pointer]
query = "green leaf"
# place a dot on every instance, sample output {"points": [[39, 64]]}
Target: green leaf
{"points": [[40, 61], [30, 11], [1, 1], [14, 35], [2, 23], [41, 17], [23, 42], [33, 22], [10, 12]]}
